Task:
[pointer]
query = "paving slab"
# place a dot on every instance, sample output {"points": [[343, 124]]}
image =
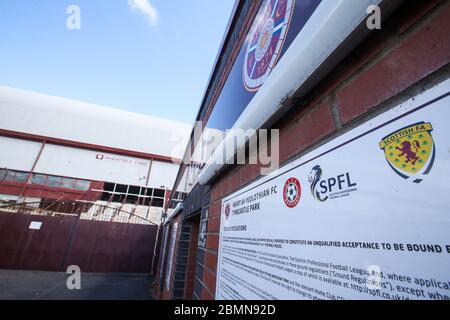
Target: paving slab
{"points": [[37, 285]]}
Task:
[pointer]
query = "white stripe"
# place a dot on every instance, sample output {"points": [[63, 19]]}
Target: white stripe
{"points": [[253, 69], [274, 7], [281, 25]]}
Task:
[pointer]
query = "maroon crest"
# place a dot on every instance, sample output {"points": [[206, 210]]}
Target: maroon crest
{"points": [[292, 192], [227, 210], [265, 41]]}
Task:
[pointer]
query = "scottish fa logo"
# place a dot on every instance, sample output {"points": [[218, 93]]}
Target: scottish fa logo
{"points": [[410, 151], [292, 192]]}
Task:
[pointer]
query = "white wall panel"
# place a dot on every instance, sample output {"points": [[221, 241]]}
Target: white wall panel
{"points": [[182, 186], [92, 165], [18, 154], [163, 174]]}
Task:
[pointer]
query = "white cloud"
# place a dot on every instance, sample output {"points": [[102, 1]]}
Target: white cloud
{"points": [[145, 8]]}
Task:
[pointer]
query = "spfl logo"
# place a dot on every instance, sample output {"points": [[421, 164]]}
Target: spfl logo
{"points": [[330, 188], [292, 192], [410, 151], [314, 178]]}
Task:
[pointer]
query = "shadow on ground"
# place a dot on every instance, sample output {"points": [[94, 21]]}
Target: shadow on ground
{"points": [[34, 285]]}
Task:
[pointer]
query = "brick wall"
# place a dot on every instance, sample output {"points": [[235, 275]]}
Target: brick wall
{"points": [[410, 52], [182, 275], [191, 253], [205, 279]]}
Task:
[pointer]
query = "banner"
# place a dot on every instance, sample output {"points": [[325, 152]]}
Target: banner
{"points": [[365, 216]]}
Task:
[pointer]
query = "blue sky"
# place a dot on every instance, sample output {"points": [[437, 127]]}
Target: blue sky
{"points": [[146, 56]]}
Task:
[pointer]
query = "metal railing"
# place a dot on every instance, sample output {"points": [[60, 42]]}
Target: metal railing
{"points": [[83, 209]]}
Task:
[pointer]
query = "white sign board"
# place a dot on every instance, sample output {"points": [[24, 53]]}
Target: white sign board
{"points": [[366, 216], [21, 153], [35, 225]]}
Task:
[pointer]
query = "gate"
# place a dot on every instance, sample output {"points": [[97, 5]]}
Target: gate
{"points": [[50, 236]]}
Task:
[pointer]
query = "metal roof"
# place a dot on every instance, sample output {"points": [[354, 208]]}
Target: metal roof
{"points": [[56, 117]]}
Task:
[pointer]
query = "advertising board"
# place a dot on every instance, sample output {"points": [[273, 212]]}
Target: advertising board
{"points": [[364, 216]]}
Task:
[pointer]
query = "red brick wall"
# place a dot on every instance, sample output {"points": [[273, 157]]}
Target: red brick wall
{"points": [[185, 269], [208, 279], [190, 272], [412, 48]]}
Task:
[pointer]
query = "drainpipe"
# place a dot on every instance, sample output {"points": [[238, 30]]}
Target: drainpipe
{"points": [[152, 272], [163, 214]]}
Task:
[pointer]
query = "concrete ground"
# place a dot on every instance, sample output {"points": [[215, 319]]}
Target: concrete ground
{"points": [[34, 285]]}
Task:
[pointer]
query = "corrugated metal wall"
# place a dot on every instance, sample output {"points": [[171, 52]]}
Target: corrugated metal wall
{"points": [[94, 246]]}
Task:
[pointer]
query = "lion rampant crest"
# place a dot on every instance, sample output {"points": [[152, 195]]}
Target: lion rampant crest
{"points": [[410, 151]]}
